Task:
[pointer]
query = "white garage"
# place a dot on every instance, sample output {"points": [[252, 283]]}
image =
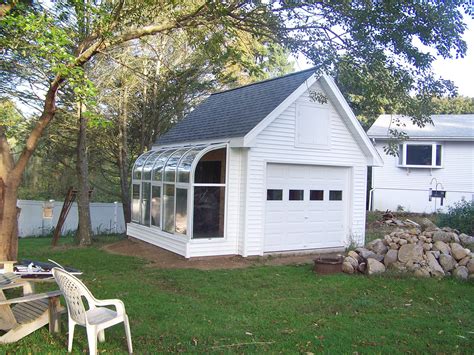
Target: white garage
{"points": [[306, 207], [264, 168]]}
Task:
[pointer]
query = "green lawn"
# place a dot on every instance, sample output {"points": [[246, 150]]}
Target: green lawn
{"points": [[285, 309]]}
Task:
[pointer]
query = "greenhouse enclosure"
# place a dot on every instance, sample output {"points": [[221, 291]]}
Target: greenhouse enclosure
{"points": [[254, 170], [181, 191]]}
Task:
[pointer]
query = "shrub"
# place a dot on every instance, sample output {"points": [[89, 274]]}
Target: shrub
{"points": [[459, 216]]}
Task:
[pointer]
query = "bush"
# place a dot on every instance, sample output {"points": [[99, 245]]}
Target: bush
{"points": [[459, 216]]}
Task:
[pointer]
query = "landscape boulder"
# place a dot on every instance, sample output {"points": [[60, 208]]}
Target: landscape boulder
{"points": [[377, 246], [442, 247], [427, 225], [352, 261], [442, 236], [447, 262], [458, 251], [461, 272], [435, 268], [433, 252], [347, 267], [374, 267], [391, 257], [410, 253]]}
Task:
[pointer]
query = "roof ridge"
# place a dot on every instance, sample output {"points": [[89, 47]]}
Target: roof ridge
{"points": [[264, 81]]}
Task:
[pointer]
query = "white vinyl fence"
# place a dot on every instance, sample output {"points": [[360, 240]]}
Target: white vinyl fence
{"points": [[40, 218]]}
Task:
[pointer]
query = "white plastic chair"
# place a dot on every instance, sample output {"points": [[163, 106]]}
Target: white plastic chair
{"points": [[96, 318]]}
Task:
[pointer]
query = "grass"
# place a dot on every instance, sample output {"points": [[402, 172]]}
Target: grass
{"points": [[273, 309]]}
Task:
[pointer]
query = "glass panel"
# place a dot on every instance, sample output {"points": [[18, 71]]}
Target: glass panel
{"points": [[136, 203], [335, 195], [316, 195], [185, 165], [171, 164], [159, 164], [146, 174], [211, 168], [274, 195], [296, 195], [419, 154], [208, 218], [145, 211], [137, 169], [181, 210], [155, 205], [438, 155], [168, 208]]}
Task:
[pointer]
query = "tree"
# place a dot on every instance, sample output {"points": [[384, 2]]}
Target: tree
{"points": [[453, 105], [364, 33]]}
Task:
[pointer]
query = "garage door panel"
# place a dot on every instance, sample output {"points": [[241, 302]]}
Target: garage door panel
{"points": [[316, 216], [276, 218], [306, 224]]}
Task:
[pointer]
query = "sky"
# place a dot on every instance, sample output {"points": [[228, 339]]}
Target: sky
{"points": [[460, 71]]}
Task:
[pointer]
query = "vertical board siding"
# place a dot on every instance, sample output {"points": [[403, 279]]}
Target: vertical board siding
{"points": [[456, 176], [276, 143]]}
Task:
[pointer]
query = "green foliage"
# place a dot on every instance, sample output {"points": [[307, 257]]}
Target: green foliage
{"points": [[459, 216], [453, 105], [11, 120], [261, 309]]}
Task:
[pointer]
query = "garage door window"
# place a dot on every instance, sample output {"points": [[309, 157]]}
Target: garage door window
{"points": [[335, 195], [274, 195], [316, 195], [296, 195]]}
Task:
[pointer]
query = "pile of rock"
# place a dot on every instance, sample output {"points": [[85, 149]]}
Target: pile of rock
{"points": [[431, 252]]}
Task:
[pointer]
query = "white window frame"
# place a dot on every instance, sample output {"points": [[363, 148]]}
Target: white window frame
{"points": [[193, 184], [433, 155]]}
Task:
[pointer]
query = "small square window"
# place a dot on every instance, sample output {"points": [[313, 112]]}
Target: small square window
{"points": [[274, 195], [335, 195], [316, 195], [296, 195]]}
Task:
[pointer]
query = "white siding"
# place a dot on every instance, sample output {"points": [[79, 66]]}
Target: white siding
{"points": [[156, 237], [409, 187], [276, 143]]}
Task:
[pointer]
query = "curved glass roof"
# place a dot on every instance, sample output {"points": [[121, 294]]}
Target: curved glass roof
{"points": [[148, 166], [137, 169], [172, 164], [168, 165], [186, 162], [160, 162]]}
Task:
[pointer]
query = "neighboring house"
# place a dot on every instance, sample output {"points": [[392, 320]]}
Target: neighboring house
{"points": [[438, 157], [254, 170]]}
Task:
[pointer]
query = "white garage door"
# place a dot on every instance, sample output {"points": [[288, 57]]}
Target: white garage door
{"points": [[306, 207]]}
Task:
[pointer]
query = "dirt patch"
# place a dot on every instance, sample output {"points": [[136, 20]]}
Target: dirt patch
{"points": [[164, 259]]}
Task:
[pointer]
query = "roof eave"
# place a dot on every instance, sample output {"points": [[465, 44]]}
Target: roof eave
{"points": [[431, 138]]}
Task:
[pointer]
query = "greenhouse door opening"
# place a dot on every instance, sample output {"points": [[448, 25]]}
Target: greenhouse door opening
{"points": [[171, 184]]}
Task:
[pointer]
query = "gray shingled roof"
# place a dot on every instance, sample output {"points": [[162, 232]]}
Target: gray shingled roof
{"points": [[455, 127], [235, 112]]}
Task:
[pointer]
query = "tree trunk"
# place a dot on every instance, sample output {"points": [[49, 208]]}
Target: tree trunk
{"points": [[84, 230], [123, 156], [8, 222]]}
